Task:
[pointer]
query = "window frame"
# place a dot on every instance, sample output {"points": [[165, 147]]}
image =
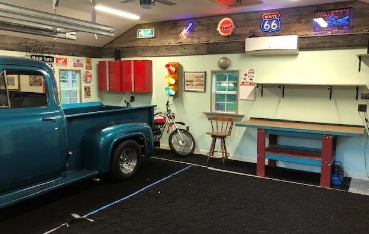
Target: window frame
{"points": [[213, 92], [79, 83], [44, 85]]}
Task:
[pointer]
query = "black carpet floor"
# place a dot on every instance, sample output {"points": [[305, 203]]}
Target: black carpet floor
{"points": [[199, 200]]}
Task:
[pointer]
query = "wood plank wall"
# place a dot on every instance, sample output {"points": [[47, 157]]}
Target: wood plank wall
{"points": [[47, 47], [204, 38]]}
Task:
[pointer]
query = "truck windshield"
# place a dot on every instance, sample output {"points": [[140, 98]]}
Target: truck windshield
{"points": [[4, 95]]}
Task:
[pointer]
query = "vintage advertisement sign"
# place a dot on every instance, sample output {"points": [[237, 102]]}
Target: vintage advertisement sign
{"points": [[78, 62], [60, 61], [88, 64], [226, 27], [271, 22], [337, 20], [87, 77], [195, 81]]}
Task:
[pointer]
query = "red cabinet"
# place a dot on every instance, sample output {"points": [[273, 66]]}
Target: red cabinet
{"points": [[126, 76], [142, 76], [115, 76], [103, 75]]}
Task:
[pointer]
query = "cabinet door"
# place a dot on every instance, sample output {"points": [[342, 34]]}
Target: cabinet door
{"points": [[142, 76], [103, 75], [127, 75], [115, 76]]}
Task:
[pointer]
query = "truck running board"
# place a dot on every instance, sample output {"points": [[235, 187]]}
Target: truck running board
{"points": [[33, 190]]}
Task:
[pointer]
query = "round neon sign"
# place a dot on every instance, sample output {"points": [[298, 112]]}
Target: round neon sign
{"points": [[226, 27]]}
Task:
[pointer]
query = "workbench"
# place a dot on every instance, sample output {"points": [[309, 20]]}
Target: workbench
{"points": [[324, 157]]}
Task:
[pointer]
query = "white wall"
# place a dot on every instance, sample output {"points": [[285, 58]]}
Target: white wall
{"points": [[301, 103]]}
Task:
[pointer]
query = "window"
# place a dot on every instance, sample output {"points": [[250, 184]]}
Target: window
{"points": [[224, 91], [22, 89], [70, 86]]}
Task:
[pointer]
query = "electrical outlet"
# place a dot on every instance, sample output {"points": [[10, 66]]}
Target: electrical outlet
{"points": [[362, 108], [132, 99]]}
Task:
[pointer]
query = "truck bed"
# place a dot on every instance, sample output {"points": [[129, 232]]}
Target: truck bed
{"points": [[81, 117]]}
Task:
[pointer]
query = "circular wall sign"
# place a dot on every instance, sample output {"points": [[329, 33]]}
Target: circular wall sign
{"points": [[87, 77], [226, 27]]}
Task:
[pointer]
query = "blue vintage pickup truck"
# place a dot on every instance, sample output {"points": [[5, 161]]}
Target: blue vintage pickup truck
{"points": [[44, 145]]}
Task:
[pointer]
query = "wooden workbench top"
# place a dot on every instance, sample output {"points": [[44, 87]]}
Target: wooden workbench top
{"points": [[322, 128]]}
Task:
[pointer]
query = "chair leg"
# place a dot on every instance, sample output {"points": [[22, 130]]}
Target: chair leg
{"points": [[211, 152], [225, 149]]}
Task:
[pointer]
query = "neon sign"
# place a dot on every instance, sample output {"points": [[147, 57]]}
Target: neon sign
{"points": [[338, 20], [226, 27], [184, 34], [271, 22]]}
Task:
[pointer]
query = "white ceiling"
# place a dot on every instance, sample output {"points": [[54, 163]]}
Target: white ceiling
{"points": [[184, 9]]}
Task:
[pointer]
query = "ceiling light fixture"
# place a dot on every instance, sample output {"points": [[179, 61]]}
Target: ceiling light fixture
{"points": [[117, 12], [29, 18]]}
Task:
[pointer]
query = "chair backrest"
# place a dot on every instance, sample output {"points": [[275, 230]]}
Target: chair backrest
{"points": [[221, 124]]}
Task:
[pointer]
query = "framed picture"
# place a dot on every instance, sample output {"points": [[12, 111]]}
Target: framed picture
{"points": [[87, 90], [12, 82], [35, 80], [195, 81]]}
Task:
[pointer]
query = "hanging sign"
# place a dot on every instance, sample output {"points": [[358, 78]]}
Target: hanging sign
{"points": [[271, 22], [338, 20], [43, 58], [226, 27], [60, 61], [145, 33]]}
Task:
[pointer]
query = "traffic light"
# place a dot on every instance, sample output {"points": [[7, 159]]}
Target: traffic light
{"points": [[172, 79]]}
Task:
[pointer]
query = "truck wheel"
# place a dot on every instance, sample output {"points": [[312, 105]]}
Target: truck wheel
{"points": [[126, 160]]}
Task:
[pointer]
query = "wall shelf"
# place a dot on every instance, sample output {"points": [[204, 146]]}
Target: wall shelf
{"points": [[329, 87], [363, 58]]}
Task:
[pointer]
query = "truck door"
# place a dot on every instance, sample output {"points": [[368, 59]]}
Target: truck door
{"points": [[30, 125]]}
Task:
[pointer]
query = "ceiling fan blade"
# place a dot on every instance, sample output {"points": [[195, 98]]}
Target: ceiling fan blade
{"points": [[166, 2], [126, 1]]}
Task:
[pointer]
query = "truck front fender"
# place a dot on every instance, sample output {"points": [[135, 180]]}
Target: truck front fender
{"points": [[99, 141]]}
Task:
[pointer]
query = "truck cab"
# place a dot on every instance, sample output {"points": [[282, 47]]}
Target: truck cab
{"points": [[44, 145]]}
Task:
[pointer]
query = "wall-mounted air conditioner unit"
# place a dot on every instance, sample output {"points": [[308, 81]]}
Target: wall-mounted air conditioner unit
{"points": [[275, 45]]}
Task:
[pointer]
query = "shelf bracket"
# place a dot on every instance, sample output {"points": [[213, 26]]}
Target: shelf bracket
{"points": [[360, 63], [330, 92], [357, 93], [282, 90], [261, 89]]}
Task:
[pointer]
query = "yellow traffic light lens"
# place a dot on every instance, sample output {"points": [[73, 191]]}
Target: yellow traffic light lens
{"points": [[170, 80]]}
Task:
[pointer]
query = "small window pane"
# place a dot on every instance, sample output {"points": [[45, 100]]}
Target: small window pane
{"points": [[73, 100], [221, 86], [220, 97], [231, 107], [220, 106], [231, 97], [221, 76]]}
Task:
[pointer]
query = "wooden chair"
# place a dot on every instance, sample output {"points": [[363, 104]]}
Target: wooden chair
{"points": [[221, 128]]}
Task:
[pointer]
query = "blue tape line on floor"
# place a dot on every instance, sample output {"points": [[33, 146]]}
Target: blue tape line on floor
{"points": [[137, 192]]}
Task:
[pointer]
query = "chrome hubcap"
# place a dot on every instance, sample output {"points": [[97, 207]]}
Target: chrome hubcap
{"points": [[128, 160]]}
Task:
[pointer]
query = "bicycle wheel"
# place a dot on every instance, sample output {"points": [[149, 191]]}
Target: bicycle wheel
{"points": [[181, 142]]}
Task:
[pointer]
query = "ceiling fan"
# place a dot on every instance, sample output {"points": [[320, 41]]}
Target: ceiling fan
{"points": [[147, 4]]}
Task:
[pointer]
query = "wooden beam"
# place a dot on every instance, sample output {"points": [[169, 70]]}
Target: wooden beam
{"points": [[47, 47], [342, 41]]}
